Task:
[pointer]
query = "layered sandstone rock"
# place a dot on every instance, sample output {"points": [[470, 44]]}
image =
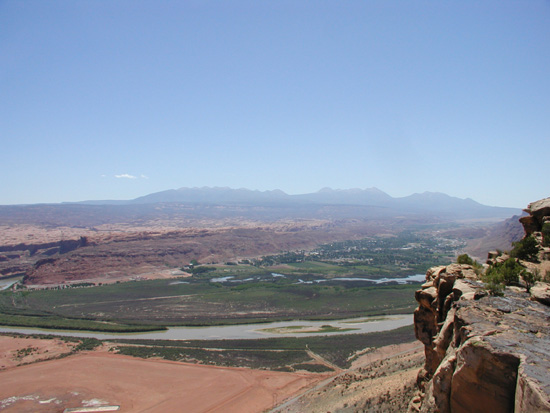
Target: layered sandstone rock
{"points": [[483, 353], [541, 292], [539, 213]]}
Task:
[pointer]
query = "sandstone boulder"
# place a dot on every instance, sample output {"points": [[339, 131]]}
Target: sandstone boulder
{"points": [[530, 224], [538, 212], [541, 292], [539, 209]]}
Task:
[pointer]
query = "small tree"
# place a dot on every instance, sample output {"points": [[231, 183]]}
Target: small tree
{"points": [[494, 281], [505, 273], [527, 249], [511, 270], [464, 259], [495, 287]]}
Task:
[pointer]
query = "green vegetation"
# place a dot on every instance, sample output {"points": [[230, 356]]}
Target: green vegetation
{"points": [[78, 344], [464, 259], [302, 329], [282, 354], [273, 353], [362, 320], [150, 305], [530, 278], [87, 344], [23, 352], [290, 285], [526, 249], [201, 270], [404, 254], [502, 274], [232, 357], [494, 285], [314, 368], [62, 323]]}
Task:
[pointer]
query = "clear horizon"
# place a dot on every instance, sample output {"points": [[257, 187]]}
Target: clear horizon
{"points": [[116, 100]]}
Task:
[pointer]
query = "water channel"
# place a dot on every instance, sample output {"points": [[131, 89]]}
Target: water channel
{"points": [[415, 278], [244, 331], [6, 283]]}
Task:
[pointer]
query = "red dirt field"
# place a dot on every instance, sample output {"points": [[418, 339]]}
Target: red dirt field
{"points": [[15, 351], [136, 385]]}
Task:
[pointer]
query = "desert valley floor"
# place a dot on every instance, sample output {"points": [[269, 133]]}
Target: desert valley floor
{"points": [[100, 379]]}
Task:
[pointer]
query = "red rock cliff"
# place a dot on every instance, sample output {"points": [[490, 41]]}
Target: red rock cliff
{"points": [[483, 353]]}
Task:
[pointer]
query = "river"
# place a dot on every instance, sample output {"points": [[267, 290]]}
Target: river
{"points": [[243, 331], [6, 283], [415, 278]]}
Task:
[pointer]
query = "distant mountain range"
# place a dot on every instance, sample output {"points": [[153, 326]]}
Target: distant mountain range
{"points": [[215, 204], [424, 203]]}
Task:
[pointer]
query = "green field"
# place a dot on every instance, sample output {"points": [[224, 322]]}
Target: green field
{"points": [[66, 323], [136, 306], [315, 266]]}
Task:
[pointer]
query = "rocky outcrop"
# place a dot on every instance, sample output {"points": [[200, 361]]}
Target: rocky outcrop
{"points": [[539, 213], [21, 258], [541, 292], [496, 257], [482, 353], [61, 247], [125, 255], [432, 321]]}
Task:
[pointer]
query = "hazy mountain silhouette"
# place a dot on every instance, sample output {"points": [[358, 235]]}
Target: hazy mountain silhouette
{"points": [[221, 203], [217, 195], [428, 202]]}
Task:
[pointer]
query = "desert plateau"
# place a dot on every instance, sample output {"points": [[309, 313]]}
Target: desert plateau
{"points": [[94, 307], [277, 206]]}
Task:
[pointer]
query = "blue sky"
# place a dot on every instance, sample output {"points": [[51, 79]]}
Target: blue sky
{"points": [[117, 99]]}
